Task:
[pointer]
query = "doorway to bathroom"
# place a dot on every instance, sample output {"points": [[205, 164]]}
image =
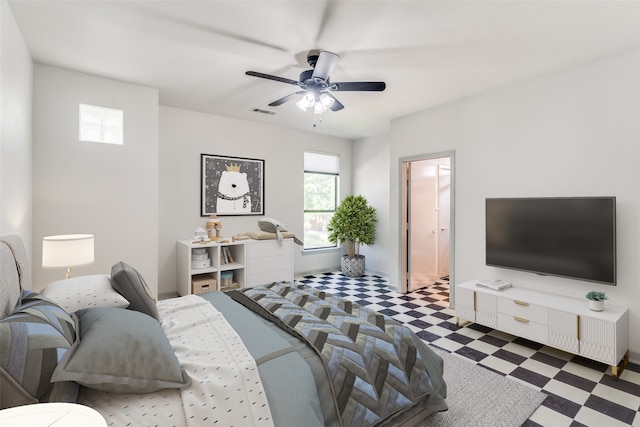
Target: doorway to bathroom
{"points": [[427, 221]]}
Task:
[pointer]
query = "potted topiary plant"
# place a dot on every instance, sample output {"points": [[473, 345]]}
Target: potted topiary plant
{"points": [[354, 222], [596, 300]]}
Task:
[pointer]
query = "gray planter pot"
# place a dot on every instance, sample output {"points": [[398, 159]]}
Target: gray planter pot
{"points": [[352, 266]]}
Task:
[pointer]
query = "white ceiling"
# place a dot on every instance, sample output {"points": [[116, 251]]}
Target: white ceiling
{"points": [[428, 52]]}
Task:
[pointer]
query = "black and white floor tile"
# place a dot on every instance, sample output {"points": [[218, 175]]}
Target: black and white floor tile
{"points": [[580, 392]]}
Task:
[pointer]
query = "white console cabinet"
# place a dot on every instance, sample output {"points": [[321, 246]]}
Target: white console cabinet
{"points": [[562, 322]]}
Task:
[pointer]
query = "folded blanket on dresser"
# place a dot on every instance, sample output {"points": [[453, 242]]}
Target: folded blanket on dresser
{"points": [[377, 366]]}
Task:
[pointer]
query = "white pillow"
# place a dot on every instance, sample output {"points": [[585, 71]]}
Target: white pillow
{"points": [[83, 292]]}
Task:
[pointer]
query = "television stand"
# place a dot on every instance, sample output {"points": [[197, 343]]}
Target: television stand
{"points": [[557, 321]]}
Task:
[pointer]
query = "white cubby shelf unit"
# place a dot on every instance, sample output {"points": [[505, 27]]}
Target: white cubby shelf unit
{"points": [[219, 263]]}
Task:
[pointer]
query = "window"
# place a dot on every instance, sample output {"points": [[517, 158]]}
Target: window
{"points": [[321, 179], [101, 124]]}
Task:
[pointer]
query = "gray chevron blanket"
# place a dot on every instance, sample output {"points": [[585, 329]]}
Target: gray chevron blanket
{"points": [[377, 367]]}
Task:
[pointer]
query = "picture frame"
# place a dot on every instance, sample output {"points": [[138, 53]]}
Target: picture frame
{"points": [[231, 186]]}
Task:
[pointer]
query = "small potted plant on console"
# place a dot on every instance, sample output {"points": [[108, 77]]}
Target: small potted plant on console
{"points": [[596, 300]]}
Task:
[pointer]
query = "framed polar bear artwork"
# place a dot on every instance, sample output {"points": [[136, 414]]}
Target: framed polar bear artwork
{"points": [[231, 185]]}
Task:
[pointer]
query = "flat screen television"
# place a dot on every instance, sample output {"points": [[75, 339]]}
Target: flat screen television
{"points": [[573, 237]]}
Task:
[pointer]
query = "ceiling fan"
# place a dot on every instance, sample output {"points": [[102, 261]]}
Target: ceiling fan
{"points": [[315, 84]]}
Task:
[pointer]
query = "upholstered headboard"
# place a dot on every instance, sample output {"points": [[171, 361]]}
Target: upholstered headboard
{"points": [[15, 273]]}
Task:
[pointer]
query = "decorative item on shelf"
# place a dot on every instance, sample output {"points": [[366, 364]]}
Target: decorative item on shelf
{"points": [[200, 258], [354, 222], [199, 264], [226, 280], [225, 256], [596, 300], [203, 283], [68, 250], [200, 235], [213, 223]]}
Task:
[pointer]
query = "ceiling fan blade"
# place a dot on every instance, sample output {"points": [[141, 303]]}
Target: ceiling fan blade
{"points": [[270, 77], [358, 86], [287, 98], [325, 64], [337, 105]]}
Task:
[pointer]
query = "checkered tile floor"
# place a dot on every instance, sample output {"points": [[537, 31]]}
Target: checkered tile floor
{"points": [[580, 392]]}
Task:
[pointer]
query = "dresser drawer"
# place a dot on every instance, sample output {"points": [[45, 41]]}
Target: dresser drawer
{"points": [[272, 263], [264, 278], [523, 328], [269, 248], [531, 312]]}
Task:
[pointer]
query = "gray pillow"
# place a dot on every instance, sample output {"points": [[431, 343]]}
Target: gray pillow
{"points": [[120, 351], [130, 284]]}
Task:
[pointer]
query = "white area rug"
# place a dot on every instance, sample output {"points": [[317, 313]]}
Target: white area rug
{"points": [[478, 397]]}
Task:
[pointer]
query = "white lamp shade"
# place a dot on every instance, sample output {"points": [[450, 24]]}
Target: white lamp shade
{"points": [[69, 250]]}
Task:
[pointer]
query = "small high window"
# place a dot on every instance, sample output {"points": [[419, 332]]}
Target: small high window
{"points": [[101, 124]]}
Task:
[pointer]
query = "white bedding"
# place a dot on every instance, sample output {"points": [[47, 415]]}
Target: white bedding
{"points": [[225, 381]]}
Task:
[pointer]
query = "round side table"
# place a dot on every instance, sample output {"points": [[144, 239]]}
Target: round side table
{"points": [[51, 414]]}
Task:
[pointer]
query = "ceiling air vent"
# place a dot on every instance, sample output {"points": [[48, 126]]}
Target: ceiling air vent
{"points": [[261, 111]]}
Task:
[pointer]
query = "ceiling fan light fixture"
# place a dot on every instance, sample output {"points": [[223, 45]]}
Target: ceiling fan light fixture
{"points": [[320, 103], [326, 100], [324, 103], [315, 82], [307, 100]]}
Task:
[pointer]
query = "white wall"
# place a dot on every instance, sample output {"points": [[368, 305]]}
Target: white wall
{"points": [[572, 133], [16, 76], [371, 179], [107, 190], [185, 135]]}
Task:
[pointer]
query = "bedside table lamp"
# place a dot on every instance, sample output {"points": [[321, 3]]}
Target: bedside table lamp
{"points": [[68, 250]]}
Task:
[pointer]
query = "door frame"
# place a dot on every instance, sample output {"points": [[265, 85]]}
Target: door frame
{"points": [[404, 204]]}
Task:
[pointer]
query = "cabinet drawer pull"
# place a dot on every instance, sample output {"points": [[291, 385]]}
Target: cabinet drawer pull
{"points": [[520, 319], [521, 302]]}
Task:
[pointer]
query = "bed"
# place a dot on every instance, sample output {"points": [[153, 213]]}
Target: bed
{"points": [[282, 354]]}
